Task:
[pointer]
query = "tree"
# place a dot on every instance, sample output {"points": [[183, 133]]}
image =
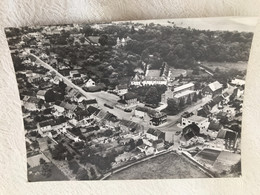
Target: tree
{"points": [[40, 103], [103, 39], [49, 96], [195, 97], [200, 95], [152, 96], [189, 99], [182, 103], [46, 170], [139, 142], [82, 174], [108, 133], [42, 161], [59, 152], [93, 173], [173, 106], [74, 166]]}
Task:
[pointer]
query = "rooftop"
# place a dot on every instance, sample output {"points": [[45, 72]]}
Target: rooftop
{"points": [[196, 118], [153, 73], [184, 93], [185, 86], [215, 86], [154, 132]]}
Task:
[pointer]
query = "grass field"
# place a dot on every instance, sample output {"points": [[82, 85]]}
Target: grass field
{"points": [[225, 66], [168, 166], [208, 156], [34, 174]]}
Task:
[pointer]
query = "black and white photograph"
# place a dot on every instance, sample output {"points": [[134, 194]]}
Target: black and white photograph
{"points": [[147, 99]]}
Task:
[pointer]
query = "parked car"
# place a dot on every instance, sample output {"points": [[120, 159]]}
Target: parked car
{"points": [[178, 133], [109, 106], [128, 110]]}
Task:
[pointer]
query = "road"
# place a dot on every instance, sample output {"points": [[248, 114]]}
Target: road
{"points": [[102, 97], [173, 120]]}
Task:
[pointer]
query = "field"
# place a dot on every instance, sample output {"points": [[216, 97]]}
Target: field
{"points": [[225, 66], [208, 156], [168, 166], [34, 174]]}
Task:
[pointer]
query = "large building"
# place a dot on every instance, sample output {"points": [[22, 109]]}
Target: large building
{"points": [[152, 76], [213, 89], [180, 92], [201, 122]]}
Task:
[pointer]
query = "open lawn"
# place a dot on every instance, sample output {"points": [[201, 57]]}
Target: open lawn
{"points": [[168, 166], [34, 174], [225, 66]]}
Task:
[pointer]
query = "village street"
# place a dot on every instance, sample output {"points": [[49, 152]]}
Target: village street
{"points": [[102, 97]]}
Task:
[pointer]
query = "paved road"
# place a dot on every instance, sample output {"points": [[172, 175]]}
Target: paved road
{"points": [[111, 99], [102, 97], [173, 120]]}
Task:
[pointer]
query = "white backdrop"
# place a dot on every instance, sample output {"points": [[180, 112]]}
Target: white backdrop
{"points": [[13, 175]]}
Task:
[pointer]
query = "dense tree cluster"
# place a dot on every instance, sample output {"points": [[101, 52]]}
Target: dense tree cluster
{"points": [[149, 94]]}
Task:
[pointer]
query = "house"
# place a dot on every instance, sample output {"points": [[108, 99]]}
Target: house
{"points": [[58, 111], [81, 98], [74, 73], [137, 79], [56, 80], [31, 103], [238, 92], [158, 118], [126, 126], [121, 89], [158, 144], [45, 126], [83, 115], [213, 89], [238, 82], [93, 110], [201, 122], [41, 94], [155, 134], [85, 103], [35, 78], [148, 150], [68, 106], [130, 98], [90, 83], [204, 112], [189, 134]]}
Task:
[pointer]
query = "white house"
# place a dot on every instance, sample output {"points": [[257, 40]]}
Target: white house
{"points": [[73, 72], [155, 134], [90, 83], [238, 82], [41, 94], [201, 122]]}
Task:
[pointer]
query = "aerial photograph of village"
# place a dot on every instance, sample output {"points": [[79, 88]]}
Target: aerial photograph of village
{"points": [[160, 99]]}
